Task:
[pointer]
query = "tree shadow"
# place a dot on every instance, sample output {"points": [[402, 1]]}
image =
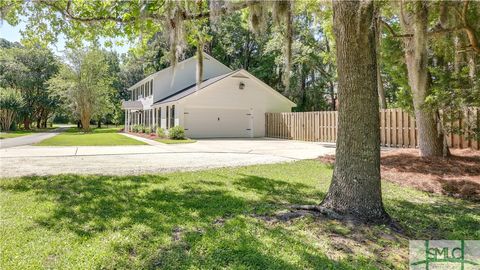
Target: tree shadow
{"points": [[238, 244], [438, 219], [279, 191], [149, 211]]}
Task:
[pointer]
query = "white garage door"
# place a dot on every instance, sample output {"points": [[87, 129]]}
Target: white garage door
{"points": [[217, 122]]}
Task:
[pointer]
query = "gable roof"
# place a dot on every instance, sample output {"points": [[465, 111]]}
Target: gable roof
{"points": [[193, 88], [206, 56]]}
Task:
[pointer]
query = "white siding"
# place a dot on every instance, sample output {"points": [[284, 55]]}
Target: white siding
{"points": [[169, 82], [254, 98]]}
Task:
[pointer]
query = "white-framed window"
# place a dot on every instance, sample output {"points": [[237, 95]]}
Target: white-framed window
{"points": [[172, 116]]}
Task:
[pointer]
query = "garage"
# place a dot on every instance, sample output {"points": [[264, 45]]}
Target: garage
{"points": [[217, 122]]}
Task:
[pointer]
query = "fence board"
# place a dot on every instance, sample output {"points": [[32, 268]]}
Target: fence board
{"points": [[397, 127]]}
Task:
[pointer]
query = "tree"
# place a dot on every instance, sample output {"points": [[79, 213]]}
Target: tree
{"points": [[87, 84], [422, 23], [416, 58], [355, 187], [10, 104], [28, 70]]}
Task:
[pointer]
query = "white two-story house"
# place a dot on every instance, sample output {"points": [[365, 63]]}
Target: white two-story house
{"points": [[226, 104]]}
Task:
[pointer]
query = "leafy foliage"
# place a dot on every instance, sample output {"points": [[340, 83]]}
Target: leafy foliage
{"points": [[28, 69], [176, 133], [11, 103], [86, 85]]}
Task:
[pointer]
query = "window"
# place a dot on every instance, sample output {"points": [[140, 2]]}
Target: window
{"points": [[159, 117], [167, 118], [172, 116], [151, 87]]}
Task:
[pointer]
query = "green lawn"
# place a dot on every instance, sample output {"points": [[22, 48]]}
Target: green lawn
{"points": [[170, 141], [19, 133], [212, 219], [97, 137]]}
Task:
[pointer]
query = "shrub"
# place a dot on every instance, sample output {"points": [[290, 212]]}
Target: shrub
{"points": [[161, 132], [150, 130], [137, 128], [153, 129], [10, 104], [143, 129], [176, 133]]}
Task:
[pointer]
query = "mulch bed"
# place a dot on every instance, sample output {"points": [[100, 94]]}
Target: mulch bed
{"points": [[457, 175], [151, 136]]}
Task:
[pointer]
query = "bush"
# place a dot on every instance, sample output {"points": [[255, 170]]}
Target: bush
{"points": [[143, 129], [136, 128], [11, 103], [161, 132], [153, 129], [176, 133]]}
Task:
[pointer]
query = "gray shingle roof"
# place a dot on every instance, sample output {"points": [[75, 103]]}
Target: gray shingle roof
{"points": [[191, 89]]}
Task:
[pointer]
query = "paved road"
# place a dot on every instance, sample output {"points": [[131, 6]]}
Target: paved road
{"points": [[128, 160], [30, 139]]}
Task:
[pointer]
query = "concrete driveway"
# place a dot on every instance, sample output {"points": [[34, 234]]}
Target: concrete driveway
{"points": [[125, 160], [30, 139]]}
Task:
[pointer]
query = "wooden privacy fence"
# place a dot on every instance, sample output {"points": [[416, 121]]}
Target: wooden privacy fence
{"points": [[397, 127]]}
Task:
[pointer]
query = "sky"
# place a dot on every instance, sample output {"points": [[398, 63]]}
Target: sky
{"points": [[12, 33]]}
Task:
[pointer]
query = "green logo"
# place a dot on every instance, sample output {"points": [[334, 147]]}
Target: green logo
{"points": [[444, 254]]}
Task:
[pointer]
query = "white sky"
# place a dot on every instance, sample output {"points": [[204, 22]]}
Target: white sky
{"points": [[12, 33]]}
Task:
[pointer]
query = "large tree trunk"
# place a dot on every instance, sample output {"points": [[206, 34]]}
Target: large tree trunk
{"points": [[85, 119], [44, 122], [416, 56], [355, 189], [26, 123]]}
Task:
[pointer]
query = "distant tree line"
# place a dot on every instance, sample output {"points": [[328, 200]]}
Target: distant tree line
{"points": [[36, 86]]}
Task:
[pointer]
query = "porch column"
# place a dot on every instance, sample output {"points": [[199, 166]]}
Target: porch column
{"points": [[154, 115], [126, 120]]}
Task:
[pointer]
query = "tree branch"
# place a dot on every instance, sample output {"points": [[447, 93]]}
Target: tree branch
{"points": [[392, 31], [469, 29], [67, 12]]}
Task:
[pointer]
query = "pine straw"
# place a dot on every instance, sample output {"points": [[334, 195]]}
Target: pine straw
{"points": [[457, 175]]}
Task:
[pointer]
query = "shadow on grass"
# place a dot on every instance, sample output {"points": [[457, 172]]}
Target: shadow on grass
{"points": [[441, 219], [149, 210], [279, 191], [212, 216], [244, 243]]}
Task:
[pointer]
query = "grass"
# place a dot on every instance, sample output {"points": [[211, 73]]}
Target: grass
{"points": [[214, 219], [170, 141], [21, 132], [97, 137]]}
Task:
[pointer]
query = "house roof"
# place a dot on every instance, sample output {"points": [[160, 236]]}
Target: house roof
{"points": [[192, 89], [206, 56]]}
